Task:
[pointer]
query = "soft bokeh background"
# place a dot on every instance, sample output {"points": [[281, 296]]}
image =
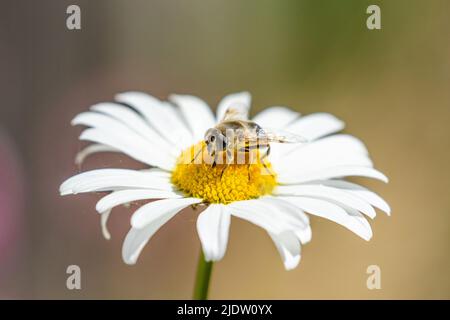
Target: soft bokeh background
{"points": [[390, 86]]}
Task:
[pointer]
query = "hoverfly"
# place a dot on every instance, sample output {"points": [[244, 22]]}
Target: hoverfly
{"points": [[235, 133]]}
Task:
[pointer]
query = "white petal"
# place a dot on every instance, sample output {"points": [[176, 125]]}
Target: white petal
{"points": [[240, 101], [289, 248], [136, 123], [337, 144], [325, 209], [331, 151], [162, 116], [299, 166], [103, 220], [151, 211], [291, 213], [113, 126], [358, 216], [304, 235], [276, 117], [126, 196], [274, 216], [113, 179], [359, 191], [91, 149], [330, 173], [256, 212], [196, 113], [213, 226], [136, 239], [316, 125], [325, 192], [134, 146], [157, 172], [286, 209]]}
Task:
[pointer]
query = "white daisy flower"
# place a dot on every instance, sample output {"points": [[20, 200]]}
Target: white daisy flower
{"points": [[305, 178]]}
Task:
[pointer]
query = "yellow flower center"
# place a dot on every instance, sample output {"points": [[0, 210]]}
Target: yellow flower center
{"points": [[196, 176]]}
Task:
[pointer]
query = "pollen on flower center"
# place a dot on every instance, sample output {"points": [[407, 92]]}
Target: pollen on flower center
{"points": [[222, 183]]}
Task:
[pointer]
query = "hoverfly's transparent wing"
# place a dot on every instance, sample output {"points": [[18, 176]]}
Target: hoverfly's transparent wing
{"points": [[278, 136], [236, 112]]}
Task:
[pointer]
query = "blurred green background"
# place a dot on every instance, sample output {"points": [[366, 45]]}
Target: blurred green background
{"points": [[390, 86]]}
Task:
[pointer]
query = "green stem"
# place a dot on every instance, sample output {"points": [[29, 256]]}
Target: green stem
{"points": [[203, 276]]}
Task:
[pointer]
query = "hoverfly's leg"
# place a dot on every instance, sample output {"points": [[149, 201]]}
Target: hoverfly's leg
{"points": [[198, 153], [215, 160], [230, 157], [223, 170], [264, 156], [247, 149], [267, 169], [251, 147]]}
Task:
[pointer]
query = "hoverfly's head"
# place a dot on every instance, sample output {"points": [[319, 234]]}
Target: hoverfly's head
{"points": [[215, 141]]}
